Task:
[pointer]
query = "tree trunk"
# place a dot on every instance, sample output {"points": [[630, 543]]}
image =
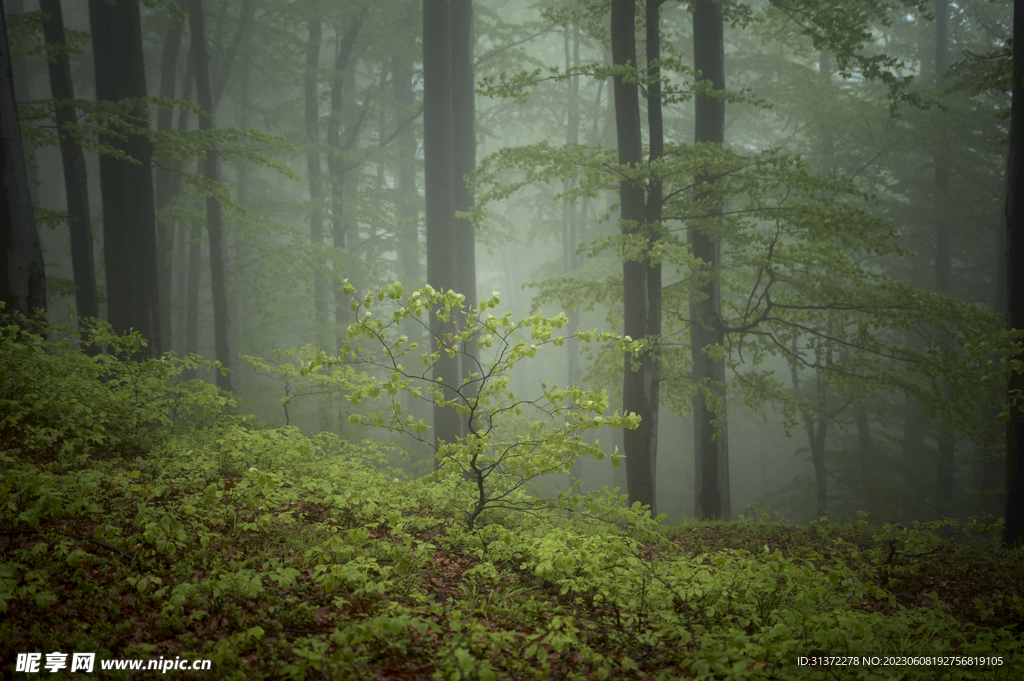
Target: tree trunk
{"points": [[639, 385], [463, 144], [129, 213], [405, 173], [711, 450], [165, 178], [214, 212], [442, 262], [943, 267], [337, 166], [316, 215], [186, 275], [76, 182], [22, 83], [1013, 532], [817, 441], [22, 278]]}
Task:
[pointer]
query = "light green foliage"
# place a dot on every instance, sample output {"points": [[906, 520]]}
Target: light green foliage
{"points": [[278, 555], [509, 439]]}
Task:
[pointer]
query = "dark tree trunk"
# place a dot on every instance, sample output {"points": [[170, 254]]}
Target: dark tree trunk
{"points": [[76, 183], [165, 178], [129, 213], [1013, 532], [711, 450], [22, 86], [442, 263], [22, 278], [214, 212], [639, 386]]}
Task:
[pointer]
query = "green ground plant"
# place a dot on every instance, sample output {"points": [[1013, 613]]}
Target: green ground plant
{"points": [[137, 522]]}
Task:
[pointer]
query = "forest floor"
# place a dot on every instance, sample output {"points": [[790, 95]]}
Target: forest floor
{"points": [[144, 521], [311, 588]]}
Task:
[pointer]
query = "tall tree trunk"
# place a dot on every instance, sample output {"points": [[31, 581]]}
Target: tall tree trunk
{"points": [[463, 145], [943, 267], [711, 450], [129, 213], [442, 263], [22, 278], [22, 86], [164, 178], [1013, 531], [76, 182], [570, 217], [187, 277], [214, 211], [316, 215], [639, 385], [405, 173], [337, 165]]}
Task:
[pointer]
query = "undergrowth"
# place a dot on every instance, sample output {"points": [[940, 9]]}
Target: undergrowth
{"points": [[142, 518]]}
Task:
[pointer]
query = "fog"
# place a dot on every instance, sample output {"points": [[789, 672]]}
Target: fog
{"points": [[876, 381]]}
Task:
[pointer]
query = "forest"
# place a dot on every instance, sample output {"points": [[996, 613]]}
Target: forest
{"points": [[562, 339]]}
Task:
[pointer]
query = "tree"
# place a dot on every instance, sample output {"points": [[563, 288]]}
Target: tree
{"points": [[126, 181], [463, 147], [76, 181], [442, 262], [711, 449], [165, 179], [641, 279], [22, 278], [1013, 533], [214, 211]]}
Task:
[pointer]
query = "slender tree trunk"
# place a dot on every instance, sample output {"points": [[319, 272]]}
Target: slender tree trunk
{"points": [[22, 278], [316, 216], [817, 436], [186, 275], [442, 263], [943, 267], [22, 86], [239, 41], [405, 173], [570, 217], [711, 450], [639, 385], [129, 213], [164, 178], [868, 461], [1013, 532], [214, 212], [338, 168], [463, 146], [76, 182]]}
